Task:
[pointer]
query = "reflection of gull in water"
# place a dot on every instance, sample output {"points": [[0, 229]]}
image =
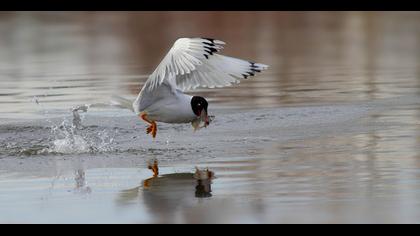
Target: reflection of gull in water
{"points": [[202, 181], [203, 178], [80, 178], [166, 193]]}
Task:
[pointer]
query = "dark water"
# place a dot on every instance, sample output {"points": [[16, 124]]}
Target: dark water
{"points": [[329, 134]]}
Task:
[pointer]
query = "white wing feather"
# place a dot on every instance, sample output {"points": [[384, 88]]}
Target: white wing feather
{"points": [[193, 63]]}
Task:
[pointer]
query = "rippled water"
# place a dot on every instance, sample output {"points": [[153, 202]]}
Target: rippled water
{"points": [[329, 134]]}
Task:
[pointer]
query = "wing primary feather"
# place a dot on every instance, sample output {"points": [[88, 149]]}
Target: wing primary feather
{"points": [[195, 62]]}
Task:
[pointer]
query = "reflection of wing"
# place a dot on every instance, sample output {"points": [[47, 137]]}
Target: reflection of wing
{"points": [[193, 63]]}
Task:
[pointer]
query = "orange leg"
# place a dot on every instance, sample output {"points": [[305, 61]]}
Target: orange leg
{"points": [[154, 168], [153, 126]]}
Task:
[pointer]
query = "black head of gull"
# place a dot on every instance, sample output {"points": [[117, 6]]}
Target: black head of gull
{"points": [[199, 106]]}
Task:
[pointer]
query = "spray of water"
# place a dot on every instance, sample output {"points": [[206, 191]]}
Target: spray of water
{"points": [[70, 137]]}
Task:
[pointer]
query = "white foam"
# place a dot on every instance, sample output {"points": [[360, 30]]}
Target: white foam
{"points": [[76, 144]]}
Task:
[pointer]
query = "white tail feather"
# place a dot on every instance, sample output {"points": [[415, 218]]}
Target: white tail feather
{"points": [[122, 102]]}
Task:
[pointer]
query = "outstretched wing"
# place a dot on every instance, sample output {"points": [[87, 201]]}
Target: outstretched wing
{"points": [[194, 62]]}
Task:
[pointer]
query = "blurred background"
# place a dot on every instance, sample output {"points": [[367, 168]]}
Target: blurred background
{"points": [[64, 59]]}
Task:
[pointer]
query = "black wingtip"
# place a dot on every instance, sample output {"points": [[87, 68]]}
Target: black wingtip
{"points": [[254, 68], [210, 44], [209, 39], [211, 49], [209, 52]]}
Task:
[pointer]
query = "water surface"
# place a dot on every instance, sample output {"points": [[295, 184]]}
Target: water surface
{"points": [[329, 134]]}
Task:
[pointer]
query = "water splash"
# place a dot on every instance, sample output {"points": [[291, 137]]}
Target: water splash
{"points": [[71, 139], [65, 137], [77, 121]]}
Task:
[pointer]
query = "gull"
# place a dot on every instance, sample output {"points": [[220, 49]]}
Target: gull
{"points": [[191, 63]]}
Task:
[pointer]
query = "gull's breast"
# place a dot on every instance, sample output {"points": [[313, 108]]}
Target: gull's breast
{"points": [[174, 109]]}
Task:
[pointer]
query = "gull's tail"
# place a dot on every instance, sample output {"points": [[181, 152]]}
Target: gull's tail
{"points": [[121, 102], [116, 101]]}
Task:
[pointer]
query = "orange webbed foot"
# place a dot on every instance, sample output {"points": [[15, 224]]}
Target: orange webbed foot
{"points": [[154, 168], [149, 129], [152, 129]]}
